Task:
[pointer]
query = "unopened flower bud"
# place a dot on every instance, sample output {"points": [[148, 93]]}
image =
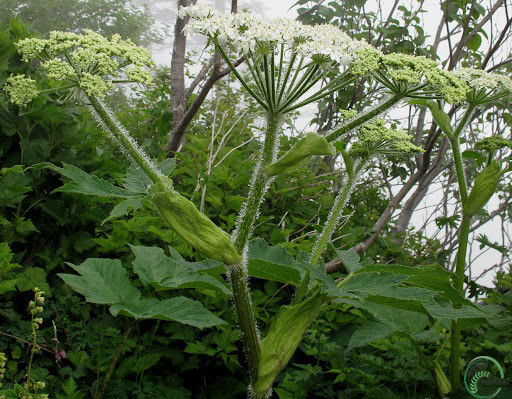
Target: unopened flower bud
{"points": [[307, 146], [193, 226], [483, 189]]}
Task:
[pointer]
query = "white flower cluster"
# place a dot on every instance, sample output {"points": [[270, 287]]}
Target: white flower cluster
{"points": [[479, 79], [245, 32]]}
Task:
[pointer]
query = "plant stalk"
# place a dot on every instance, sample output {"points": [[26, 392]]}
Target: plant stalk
{"points": [[243, 230], [459, 285], [362, 118], [105, 116], [460, 262], [259, 183], [332, 221]]}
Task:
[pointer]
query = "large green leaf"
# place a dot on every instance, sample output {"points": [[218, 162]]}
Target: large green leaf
{"points": [[181, 309], [168, 272], [402, 315], [32, 277], [432, 277], [447, 312], [124, 208], [369, 332], [385, 284], [102, 281], [136, 180], [272, 263], [350, 260], [84, 183]]}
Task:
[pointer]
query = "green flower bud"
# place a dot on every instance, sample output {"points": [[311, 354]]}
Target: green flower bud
{"points": [[307, 146], [443, 383], [483, 189], [193, 226], [284, 336]]}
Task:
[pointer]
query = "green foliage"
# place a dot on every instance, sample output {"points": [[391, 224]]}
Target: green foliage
{"points": [[107, 17], [106, 282]]}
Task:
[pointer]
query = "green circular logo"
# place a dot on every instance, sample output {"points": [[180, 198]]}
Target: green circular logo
{"points": [[483, 376]]}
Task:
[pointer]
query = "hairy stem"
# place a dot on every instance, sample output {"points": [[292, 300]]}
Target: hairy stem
{"points": [[465, 225], [113, 362], [332, 221], [259, 182], [105, 116], [243, 308], [364, 117], [459, 284], [243, 230]]}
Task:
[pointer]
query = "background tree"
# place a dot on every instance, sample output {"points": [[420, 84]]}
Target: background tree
{"points": [[102, 16]]}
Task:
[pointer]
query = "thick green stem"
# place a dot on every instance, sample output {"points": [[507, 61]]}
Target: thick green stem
{"points": [[259, 184], [238, 273], [460, 269], [332, 221], [362, 118], [246, 320], [459, 170], [106, 117], [460, 262]]}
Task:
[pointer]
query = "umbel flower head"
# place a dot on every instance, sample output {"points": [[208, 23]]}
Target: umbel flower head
{"points": [[485, 86], [493, 143], [375, 138], [418, 76], [286, 59], [245, 32], [89, 62]]}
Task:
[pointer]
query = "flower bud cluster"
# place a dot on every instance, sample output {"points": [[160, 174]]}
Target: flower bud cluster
{"points": [[3, 361], [375, 138], [36, 307], [411, 70], [89, 61], [21, 89], [493, 143]]}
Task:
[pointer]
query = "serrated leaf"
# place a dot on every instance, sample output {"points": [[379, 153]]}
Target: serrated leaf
{"points": [[385, 284], [124, 208], [272, 263], [369, 332], [164, 272], [7, 285], [432, 277], [402, 315], [350, 260], [32, 277], [447, 312], [102, 281], [136, 180], [84, 183], [181, 309], [136, 364]]}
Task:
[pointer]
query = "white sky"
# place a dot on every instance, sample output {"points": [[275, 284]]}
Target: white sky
{"points": [[165, 12]]}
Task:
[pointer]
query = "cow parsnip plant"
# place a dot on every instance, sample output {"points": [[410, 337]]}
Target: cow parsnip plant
{"points": [[286, 63]]}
